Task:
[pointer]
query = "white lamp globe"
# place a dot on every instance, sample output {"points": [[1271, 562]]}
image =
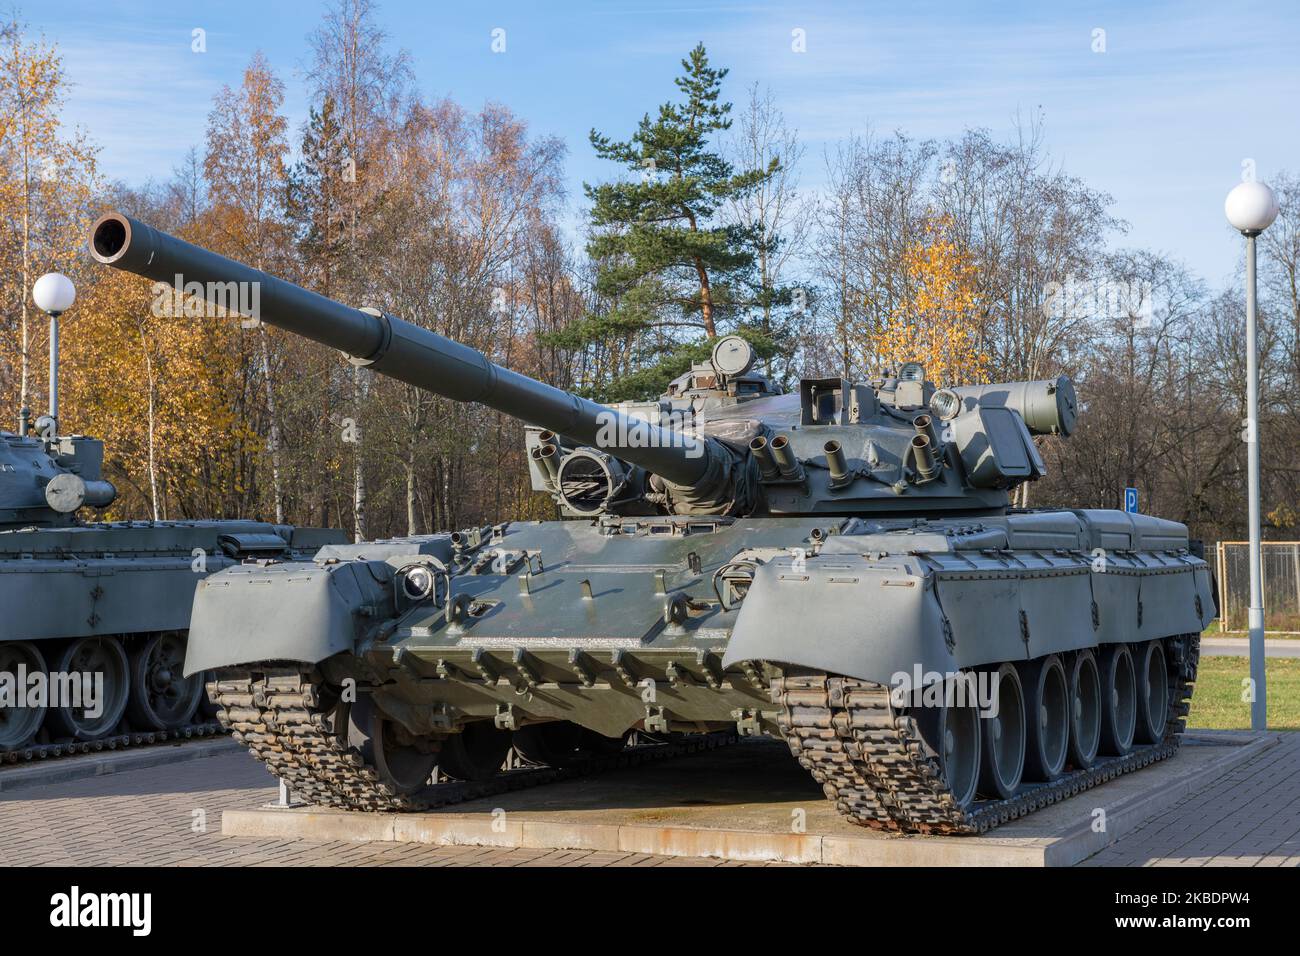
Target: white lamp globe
{"points": [[54, 292], [1250, 207]]}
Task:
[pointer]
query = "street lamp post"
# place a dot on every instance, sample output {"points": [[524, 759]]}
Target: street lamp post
{"points": [[1251, 208], [54, 294]]}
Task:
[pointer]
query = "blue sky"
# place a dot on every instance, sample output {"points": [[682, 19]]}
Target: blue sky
{"points": [[1162, 120]]}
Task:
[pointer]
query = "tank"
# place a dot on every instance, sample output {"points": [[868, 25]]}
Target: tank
{"points": [[96, 614], [837, 567]]}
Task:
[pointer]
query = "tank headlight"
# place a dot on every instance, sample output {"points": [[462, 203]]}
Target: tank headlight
{"points": [[911, 372], [418, 583], [945, 404]]}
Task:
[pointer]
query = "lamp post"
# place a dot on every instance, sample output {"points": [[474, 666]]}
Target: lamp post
{"points": [[1251, 208], [54, 294]]}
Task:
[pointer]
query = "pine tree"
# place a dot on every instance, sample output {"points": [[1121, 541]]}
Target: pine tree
{"points": [[666, 262]]}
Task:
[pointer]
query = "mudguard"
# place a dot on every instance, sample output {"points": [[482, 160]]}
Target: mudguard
{"points": [[844, 615], [301, 611], [1070, 581]]}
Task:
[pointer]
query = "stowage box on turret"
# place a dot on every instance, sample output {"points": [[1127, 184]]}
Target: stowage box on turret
{"points": [[838, 567]]}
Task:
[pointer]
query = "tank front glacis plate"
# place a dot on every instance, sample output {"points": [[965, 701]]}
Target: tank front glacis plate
{"points": [[625, 608], [527, 648]]}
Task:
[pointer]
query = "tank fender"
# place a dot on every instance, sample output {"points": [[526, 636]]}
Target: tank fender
{"points": [[843, 614], [1206, 591], [296, 611]]}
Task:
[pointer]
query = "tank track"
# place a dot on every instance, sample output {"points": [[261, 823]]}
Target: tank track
{"points": [[112, 742], [280, 714], [874, 766]]}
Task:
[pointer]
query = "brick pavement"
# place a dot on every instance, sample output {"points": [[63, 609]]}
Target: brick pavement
{"points": [[1248, 817], [171, 816]]}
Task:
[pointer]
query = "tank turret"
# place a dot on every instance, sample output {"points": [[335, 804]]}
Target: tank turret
{"points": [[45, 477], [721, 441], [45, 480]]}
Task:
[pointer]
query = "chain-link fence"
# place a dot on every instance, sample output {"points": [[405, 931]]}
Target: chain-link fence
{"points": [[1281, 578]]}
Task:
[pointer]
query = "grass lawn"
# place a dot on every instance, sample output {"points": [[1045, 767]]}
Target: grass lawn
{"points": [[1217, 703]]}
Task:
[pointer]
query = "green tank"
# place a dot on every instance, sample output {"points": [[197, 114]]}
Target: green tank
{"points": [[94, 633], [837, 567]]}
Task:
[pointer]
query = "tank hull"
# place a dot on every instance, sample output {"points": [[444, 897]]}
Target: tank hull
{"points": [[99, 615], [707, 625]]}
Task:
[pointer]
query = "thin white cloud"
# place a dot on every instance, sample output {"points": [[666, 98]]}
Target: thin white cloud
{"points": [[145, 95]]}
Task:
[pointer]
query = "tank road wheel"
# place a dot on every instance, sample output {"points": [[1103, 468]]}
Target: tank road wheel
{"points": [[161, 697], [1118, 700], [1047, 709], [562, 744], [103, 659], [398, 760], [952, 731], [208, 708], [1085, 709], [1003, 760], [19, 724], [476, 753], [1152, 692]]}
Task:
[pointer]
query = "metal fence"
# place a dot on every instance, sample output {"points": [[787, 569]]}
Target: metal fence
{"points": [[1281, 578]]}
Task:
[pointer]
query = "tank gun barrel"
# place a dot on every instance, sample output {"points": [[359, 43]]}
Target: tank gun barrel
{"points": [[398, 349]]}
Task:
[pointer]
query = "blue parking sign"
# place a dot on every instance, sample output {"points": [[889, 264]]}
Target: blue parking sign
{"points": [[1131, 500]]}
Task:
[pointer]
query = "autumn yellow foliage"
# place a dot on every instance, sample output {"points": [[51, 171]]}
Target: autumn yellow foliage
{"points": [[935, 321], [156, 388], [47, 180]]}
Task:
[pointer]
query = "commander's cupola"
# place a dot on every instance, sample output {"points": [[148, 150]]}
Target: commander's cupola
{"points": [[726, 377]]}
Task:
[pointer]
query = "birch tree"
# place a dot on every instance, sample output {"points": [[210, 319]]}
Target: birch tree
{"points": [[244, 167], [776, 217], [47, 179], [353, 67]]}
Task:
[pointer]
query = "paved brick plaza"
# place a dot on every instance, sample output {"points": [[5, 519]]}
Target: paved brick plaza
{"points": [[1249, 817], [147, 817]]}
